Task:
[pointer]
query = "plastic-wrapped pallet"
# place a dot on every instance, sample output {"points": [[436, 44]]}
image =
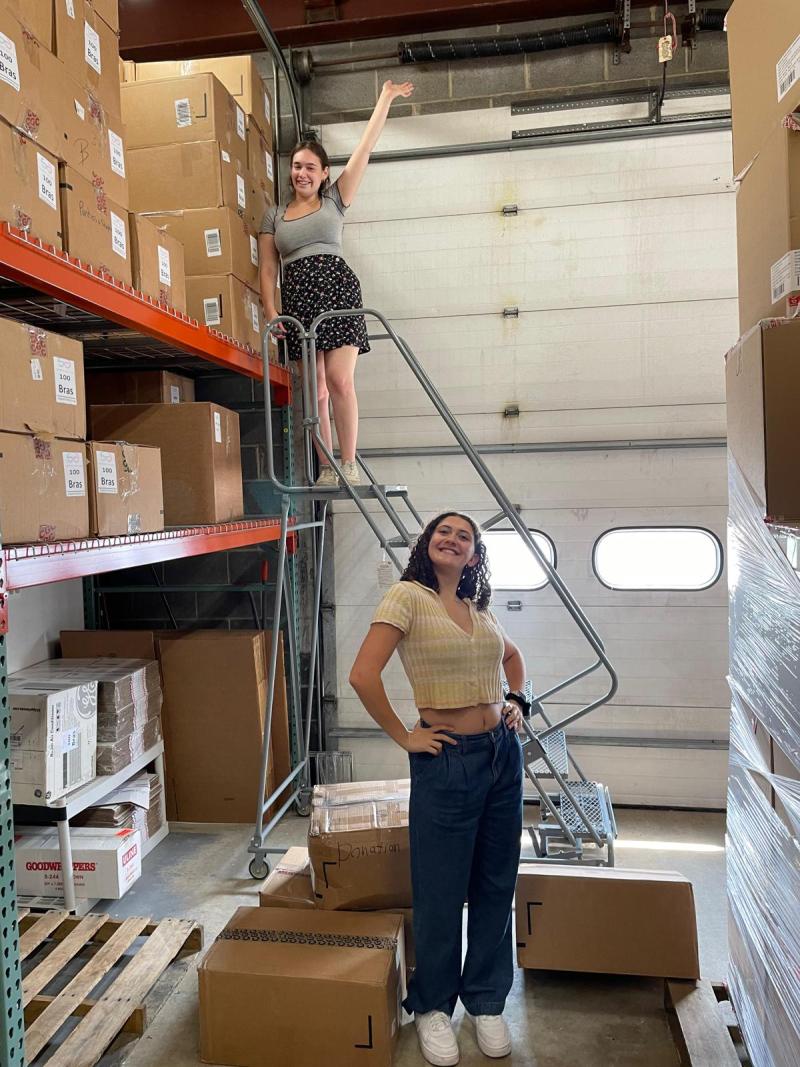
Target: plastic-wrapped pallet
{"points": [[358, 846], [764, 784]]}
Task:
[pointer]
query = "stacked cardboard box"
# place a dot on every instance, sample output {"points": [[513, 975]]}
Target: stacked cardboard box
{"points": [[202, 167], [138, 387], [125, 488], [105, 863], [137, 805]]}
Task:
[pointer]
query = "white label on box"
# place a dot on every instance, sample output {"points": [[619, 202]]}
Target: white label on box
{"points": [[217, 428], [225, 157], [240, 128], [241, 195], [183, 113], [36, 370], [92, 52], [9, 68], [174, 394], [70, 9], [47, 181], [80, 110], [211, 311], [65, 381], [117, 153], [254, 314], [213, 243], [134, 523], [164, 273], [788, 68], [270, 171], [785, 276], [70, 739], [253, 251], [74, 474], [119, 236], [267, 111], [107, 473]]}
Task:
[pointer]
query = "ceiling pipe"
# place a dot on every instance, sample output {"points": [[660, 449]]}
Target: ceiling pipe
{"points": [[273, 47]]}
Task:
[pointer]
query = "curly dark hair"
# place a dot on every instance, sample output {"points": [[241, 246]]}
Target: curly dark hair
{"points": [[474, 584]]}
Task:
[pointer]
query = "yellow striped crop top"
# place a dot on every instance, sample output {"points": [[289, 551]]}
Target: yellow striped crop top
{"points": [[445, 666]]}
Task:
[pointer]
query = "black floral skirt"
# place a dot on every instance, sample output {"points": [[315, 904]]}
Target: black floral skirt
{"points": [[314, 284]]}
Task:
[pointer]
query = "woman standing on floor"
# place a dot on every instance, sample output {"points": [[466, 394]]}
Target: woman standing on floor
{"points": [[465, 816], [306, 237]]}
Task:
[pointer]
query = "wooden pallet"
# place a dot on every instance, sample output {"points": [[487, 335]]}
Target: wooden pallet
{"points": [[86, 951], [703, 1024]]}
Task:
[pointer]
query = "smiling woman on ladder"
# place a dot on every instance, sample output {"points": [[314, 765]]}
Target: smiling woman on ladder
{"points": [[307, 237]]}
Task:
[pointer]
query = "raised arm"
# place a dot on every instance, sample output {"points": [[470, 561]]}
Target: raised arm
{"points": [[350, 178]]}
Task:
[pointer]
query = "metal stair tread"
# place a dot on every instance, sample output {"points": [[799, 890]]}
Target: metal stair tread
{"points": [[592, 798], [555, 745]]}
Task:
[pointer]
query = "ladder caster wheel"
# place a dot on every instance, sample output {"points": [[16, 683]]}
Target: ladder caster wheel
{"points": [[302, 808], [259, 869]]}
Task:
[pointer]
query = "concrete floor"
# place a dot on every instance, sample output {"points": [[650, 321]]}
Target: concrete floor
{"points": [[557, 1020]]}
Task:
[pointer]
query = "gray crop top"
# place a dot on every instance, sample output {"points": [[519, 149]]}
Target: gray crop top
{"points": [[317, 234]]}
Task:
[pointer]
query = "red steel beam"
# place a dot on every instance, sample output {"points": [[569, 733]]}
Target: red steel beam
{"points": [[28, 262], [183, 29]]}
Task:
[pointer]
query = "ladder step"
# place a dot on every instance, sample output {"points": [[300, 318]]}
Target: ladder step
{"points": [[398, 542], [363, 490], [555, 745], [593, 800]]}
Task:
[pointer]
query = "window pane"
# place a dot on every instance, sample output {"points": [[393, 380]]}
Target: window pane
{"points": [[653, 558], [512, 563]]}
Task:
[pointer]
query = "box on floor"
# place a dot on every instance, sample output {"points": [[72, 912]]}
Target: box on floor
{"points": [[228, 305], [95, 228], [359, 847], [105, 863], [29, 191], [606, 920], [200, 455], [176, 177], [764, 51], [94, 142], [762, 384], [215, 241], [325, 987], [239, 75], [158, 263], [32, 85], [138, 387], [41, 382], [182, 110], [53, 738], [125, 489], [43, 489], [89, 49]]}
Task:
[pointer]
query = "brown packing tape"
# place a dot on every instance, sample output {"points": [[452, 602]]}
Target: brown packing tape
{"points": [[130, 466], [304, 937]]}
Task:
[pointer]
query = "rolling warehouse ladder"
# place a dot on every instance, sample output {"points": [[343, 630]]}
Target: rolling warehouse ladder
{"points": [[576, 823]]}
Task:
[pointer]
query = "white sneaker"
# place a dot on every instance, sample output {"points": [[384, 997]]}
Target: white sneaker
{"points": [[493, 1037], [351, 472], [436, 1038], [328, 478]]}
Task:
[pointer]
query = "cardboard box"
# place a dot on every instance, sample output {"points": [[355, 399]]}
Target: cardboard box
{"points": [[605, 920], [138, 387], [261, 169], [215, 241], [183, 110], [95, 228], [29, 192], [358, 845], [289, 886], [32, 84], [43, 491], [36, 16], [228, 305], [181, 176], [215, 686], [94, 142], [108, 10], [125, 644], [768, 226], [89, 49], [764, 50], [41, 382], [238, 74], [763, 383], [105, 863], [115, 756], [125, 489], [53, 738], [158, 267], [201, 461], [324, 987]]}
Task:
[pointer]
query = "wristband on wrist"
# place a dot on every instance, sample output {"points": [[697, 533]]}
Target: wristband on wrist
{"points": [[524, 704]]}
